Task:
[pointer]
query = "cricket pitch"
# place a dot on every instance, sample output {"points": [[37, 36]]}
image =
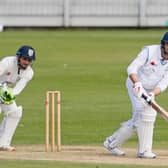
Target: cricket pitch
{"points": [[84, 154]]}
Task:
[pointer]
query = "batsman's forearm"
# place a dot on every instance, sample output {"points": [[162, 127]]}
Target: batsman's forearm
{"points": [[156, 91], [134, 78]]}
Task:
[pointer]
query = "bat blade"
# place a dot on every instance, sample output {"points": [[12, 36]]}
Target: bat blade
{"points": [[160, 110], [157, 107]]}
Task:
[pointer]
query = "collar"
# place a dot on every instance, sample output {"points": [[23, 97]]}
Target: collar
{"points": [[162, 60]]}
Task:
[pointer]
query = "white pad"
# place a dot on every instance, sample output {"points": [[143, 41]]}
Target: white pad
{"points": [[8, 126], [121, 135], [145, 129]]}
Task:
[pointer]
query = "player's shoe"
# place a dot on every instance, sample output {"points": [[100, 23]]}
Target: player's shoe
{"points": [[115, 151], [8, 149], [147, 155]]}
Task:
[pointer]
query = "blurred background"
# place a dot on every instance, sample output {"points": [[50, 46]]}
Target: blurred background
{"points": [[83, 13]]}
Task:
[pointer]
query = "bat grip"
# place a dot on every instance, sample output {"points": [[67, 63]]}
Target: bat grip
{"points": [[146, 98]]}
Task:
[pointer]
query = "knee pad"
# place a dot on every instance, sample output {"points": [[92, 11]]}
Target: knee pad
{"points": [[149, 115], [145, 129]]}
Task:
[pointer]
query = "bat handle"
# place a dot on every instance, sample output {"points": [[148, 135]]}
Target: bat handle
{"points": [[146, 99]]}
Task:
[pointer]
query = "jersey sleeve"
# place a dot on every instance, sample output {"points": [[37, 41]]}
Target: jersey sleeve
{"points": [[3, 66], [163, 84], [140, 60], [21, 84]]}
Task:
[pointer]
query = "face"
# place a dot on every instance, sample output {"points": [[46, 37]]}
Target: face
{"points": [[165, 51], [24, 62]]}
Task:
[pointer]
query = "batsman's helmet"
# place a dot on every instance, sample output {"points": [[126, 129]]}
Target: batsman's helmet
{"points": [[26, 52], [164, 38]]}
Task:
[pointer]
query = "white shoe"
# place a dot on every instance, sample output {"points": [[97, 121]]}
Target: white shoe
{"points": [[147, 155], [9, 148], [115, 151]]}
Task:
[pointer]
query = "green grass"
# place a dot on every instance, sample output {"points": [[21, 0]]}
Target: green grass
{"points": [[89, 68]]}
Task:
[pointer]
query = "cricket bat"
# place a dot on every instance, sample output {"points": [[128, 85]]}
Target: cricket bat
{"points": [[157, 107]]}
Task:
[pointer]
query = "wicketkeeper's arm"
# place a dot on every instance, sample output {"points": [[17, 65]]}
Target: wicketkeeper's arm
{"points": [[20, 86]]}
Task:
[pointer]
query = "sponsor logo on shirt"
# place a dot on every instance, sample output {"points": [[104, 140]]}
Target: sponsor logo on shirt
{"points": [[153, 63]]}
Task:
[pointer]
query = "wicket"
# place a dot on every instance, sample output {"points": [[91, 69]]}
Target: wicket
{"points": [[50, 120]]}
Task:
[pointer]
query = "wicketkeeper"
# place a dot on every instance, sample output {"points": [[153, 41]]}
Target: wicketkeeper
{"points": [[15, 71], [148, 75]]}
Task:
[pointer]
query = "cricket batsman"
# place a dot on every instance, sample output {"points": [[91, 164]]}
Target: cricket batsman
{"points": [[147, 75], [15, 73]]}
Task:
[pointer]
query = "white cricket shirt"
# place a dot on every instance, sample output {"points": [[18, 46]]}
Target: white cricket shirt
{"points": [[9, 73], [150, 67]]}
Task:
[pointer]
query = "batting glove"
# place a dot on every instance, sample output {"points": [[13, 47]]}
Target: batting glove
{"points": [[148, 97], [138, 90], [152, 95]]}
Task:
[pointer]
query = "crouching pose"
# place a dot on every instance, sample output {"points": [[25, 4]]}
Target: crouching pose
{"points": [[148, 75], [15, 73]]}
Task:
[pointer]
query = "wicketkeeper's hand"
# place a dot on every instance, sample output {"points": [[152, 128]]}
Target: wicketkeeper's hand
{"points": [[138, 90], [6, 95]]}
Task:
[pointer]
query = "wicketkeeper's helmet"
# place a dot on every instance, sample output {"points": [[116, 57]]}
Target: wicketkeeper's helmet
{"points": [[26, 52], [164, 39]]}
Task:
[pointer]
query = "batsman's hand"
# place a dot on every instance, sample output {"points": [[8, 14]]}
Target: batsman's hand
{"points": [[138, 90], [148, 97], [6, 95]]}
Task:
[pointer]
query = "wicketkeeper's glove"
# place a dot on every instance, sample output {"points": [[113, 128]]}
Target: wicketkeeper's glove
{"points": [[6, 95]]}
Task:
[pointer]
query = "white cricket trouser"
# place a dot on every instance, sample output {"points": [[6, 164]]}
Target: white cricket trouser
{"points": [[12, 116], [143, 117], [142, 121]]}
